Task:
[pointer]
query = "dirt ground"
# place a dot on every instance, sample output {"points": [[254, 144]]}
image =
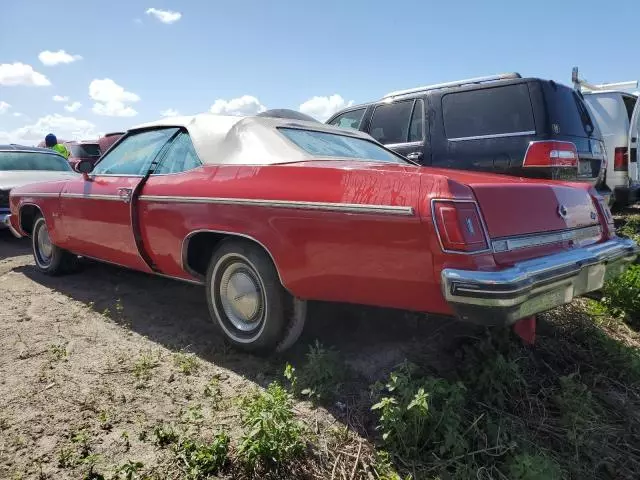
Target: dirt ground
{"points": [[100, 357]]}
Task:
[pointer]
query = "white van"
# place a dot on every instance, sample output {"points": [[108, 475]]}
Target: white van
{"points": [[617, 112]]}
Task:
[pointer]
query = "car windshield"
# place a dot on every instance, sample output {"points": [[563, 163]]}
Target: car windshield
{"points": [[323, 144], [15, 160], [85, 150]]}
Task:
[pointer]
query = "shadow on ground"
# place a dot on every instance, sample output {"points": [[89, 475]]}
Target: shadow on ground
{"points": [[11, 246], [372, 341]]}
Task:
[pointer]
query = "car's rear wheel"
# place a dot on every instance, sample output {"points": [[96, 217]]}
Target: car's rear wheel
{"points": [[49, 258], [247, 301]]}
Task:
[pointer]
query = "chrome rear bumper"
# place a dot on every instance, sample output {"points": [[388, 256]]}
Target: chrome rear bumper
{"points": [[5, 222], [534, 286]]}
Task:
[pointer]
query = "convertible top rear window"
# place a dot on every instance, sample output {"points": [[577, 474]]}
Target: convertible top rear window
{"points": [[323, 144], [16, 160]]}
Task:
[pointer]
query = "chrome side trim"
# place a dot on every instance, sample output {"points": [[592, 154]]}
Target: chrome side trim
{"points": [[494, 135], [119, 265], [38, 194], [326, 206], [579, 235], [92, 196], [185, 249]]}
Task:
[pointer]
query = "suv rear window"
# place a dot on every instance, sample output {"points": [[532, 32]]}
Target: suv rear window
{"points": [[488, 111], [85, 150], [323, 144], [568, 114]]}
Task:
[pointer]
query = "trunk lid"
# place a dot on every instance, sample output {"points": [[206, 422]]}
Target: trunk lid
{"points": [[512, 210], [513, 206]]}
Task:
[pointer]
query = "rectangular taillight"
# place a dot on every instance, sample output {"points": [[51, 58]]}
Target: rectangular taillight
{"points": [[459, 226], [551, 154], [621, 159]]}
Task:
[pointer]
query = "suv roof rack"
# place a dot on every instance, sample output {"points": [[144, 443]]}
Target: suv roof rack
{"points": [[581, 85], [457, 83]]}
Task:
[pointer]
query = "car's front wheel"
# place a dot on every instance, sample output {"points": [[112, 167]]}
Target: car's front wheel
{"points": [[49, 258], [247, 301]]}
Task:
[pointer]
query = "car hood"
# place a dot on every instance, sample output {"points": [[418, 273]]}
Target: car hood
{"points": [[17, 178]]}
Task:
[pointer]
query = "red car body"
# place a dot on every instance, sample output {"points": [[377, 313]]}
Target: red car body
{"points": [[487, 248]]}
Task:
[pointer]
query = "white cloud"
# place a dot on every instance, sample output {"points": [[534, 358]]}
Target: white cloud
{"points": [[12, 74], [18, 114], [50, 58], [245, 105], [4, 107], [72, 107], [169, 112], [111, 99], [323, 107], [60, 98], [65, 128], [165, 16]]}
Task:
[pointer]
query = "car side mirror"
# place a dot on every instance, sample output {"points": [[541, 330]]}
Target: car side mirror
{"points": [[85, 167]]}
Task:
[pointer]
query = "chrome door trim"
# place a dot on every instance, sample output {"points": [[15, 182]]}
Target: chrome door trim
{"points": [[299, 205], [493, 135]]}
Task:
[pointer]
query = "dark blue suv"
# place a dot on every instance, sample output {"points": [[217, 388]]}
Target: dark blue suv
{"points": [[505, 124]]}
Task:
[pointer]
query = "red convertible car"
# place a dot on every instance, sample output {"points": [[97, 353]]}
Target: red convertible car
{"points": [[268, 213]]}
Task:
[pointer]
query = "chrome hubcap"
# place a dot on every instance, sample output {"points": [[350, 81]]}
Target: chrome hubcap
{"points": [[45, 249], [241, 297]]}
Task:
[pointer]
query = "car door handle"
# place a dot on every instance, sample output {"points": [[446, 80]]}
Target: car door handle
{"points": [[415, 156], [124, 194]]}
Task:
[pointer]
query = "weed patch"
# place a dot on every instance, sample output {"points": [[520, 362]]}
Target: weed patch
{"points": [[187, 363], [272, 435], [199, 460]]}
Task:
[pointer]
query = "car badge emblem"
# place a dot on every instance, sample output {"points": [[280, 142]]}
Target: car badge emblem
{"points": [[562, 211]]}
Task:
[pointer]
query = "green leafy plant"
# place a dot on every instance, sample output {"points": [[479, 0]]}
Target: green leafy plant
{"points": [[201, 460], [622, 295], [128, 471], [577, 407], [144, 365], [272, 435], [533, 467], [421, 414], [164, 435], [187, 363], [58, 352], [213, 392]]}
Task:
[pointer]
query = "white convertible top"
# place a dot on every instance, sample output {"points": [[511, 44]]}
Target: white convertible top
{"points": [[226, 139]]}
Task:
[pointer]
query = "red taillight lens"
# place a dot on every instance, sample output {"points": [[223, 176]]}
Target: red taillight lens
{"points": [[621, 159], [606, 218], [459, 226], [551, 154]]}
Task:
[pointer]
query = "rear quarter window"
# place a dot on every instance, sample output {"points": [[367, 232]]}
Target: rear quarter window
{"points": [[488, 111], [568, 114]]}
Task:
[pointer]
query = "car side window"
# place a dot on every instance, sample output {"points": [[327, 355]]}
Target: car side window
{"points": [[351, 119], [179, 157], [416, 127], [390, 123], [134, 154]]}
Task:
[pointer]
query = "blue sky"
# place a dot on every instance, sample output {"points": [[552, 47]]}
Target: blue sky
{"points": [[123, 62]]}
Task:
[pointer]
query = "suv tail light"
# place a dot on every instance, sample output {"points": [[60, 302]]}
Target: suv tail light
{"points": [[551, 154], [459, 226], [621, 159]]}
